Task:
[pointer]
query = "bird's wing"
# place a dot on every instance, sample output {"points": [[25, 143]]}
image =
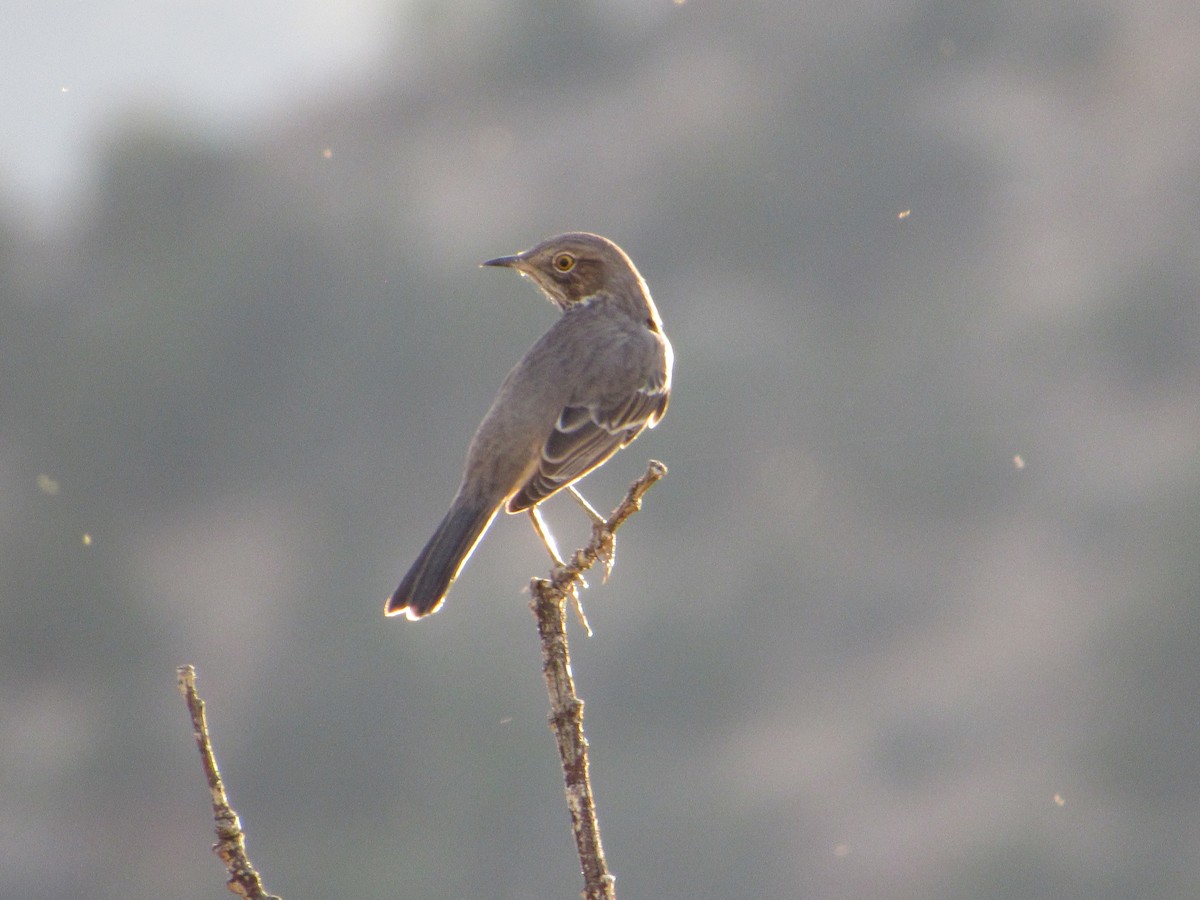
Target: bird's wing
{"points": [[584, 437]]}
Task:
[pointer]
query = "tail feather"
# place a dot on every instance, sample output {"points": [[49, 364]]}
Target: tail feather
{"points": [[424, 587]]}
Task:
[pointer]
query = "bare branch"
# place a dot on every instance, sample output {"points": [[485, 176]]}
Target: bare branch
{"points": [[566, 709], [231, 842]]}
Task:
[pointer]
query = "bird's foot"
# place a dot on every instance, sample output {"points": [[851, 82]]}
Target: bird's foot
{"points": [[606, 541]]}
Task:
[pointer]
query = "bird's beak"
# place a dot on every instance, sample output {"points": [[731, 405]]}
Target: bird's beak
{"points": [[511, 262]]}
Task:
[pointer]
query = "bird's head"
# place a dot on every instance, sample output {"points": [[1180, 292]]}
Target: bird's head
{"points": [[574, 267]]}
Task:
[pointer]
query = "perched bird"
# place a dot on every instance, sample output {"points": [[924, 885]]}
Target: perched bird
{"points": [[588, 387]]}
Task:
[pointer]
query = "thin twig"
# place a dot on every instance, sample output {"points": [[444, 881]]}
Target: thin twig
{"points": [[566, 709], [231, 842]]}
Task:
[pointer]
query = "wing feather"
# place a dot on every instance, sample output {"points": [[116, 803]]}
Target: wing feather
{"points": [[584, 437]]}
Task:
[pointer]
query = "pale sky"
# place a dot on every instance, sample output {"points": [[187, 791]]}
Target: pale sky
{"points": [[71, 68]]}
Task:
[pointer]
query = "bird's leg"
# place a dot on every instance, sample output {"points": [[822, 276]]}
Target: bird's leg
{"points": [[543, 531], [596, 518], [608, 540]]}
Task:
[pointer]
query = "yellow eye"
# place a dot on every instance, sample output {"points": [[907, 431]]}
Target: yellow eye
{"points": [[564, 262]]}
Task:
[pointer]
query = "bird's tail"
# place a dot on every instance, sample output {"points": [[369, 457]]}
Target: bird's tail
{"points": [[424, 587]]}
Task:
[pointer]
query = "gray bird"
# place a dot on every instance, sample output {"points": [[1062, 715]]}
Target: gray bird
{"points": [[588, 387]]}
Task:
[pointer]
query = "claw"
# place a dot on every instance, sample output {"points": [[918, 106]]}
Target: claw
{"points": [[607, 553], [605, 538], [577, 602]]}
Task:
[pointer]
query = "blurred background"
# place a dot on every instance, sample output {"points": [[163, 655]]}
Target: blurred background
{"points": [[914, 614]]}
